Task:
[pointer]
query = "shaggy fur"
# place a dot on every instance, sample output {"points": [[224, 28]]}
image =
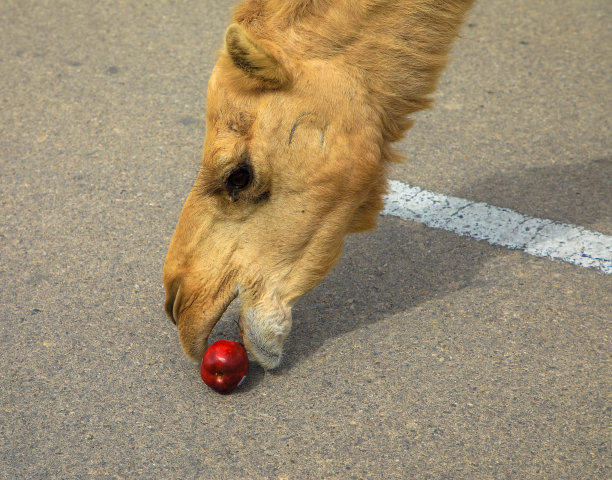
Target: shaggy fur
{"points": [[302, 107]]}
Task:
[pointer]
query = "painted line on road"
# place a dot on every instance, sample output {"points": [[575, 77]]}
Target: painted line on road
{"points": [[500, 226]]}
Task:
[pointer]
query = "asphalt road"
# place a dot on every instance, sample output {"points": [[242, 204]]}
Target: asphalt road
{"points": [[424, 355]]}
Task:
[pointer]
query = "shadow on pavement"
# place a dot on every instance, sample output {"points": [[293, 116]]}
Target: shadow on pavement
{"points": [[578, 193], [393, 269]]}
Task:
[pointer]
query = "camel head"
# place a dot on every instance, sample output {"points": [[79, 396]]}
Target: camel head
{"points": [[291, 164], [302, 107]]}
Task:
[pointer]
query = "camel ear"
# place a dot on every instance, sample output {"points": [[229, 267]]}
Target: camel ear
{"points": [[256, 59]]}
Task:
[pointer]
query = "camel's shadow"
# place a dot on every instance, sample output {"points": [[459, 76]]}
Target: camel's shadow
{"points": [[391, 270]]}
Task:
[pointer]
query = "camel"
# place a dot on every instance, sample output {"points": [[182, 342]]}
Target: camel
{"points": [[303, 106]]}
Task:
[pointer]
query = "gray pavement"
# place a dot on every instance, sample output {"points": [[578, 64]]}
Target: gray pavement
{"points": [[423, 355]]}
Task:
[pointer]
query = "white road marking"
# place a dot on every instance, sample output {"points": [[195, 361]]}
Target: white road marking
{"points": [[501, 226]]}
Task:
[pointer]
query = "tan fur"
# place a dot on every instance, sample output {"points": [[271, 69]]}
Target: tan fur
{"points": [[308, 96]]}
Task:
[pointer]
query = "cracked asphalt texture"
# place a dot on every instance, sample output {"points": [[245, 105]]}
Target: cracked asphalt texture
{"points": [[423, 355]]}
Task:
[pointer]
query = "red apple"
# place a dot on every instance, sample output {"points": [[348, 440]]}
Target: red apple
{"points": [[224, 366]]}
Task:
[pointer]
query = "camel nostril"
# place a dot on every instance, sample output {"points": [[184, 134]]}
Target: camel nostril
{"points": [[169, 308], [172, 301]]}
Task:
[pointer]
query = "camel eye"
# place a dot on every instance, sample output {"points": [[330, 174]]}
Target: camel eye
{"points": [[238, 179]]}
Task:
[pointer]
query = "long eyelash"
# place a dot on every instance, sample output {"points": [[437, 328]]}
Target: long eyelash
{"points": [[207, 186]]}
